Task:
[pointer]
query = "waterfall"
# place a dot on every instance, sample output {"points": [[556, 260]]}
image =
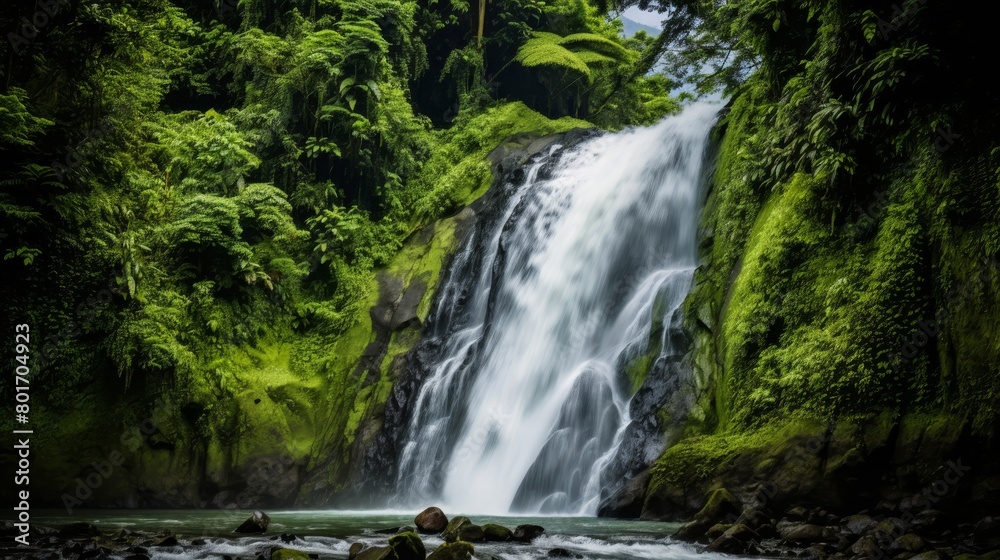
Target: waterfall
{"points": [[526, 397]]}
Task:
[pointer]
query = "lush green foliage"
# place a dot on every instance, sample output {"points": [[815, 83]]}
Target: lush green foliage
{"points": [[836, 284], [197, 198]]}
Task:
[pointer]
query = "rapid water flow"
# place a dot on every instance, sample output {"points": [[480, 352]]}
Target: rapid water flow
{"points": [[527, 395]]}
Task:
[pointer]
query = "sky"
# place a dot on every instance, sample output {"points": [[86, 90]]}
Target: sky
{"points": [[647, 18]]}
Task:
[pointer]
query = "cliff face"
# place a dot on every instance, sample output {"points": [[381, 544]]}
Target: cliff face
{"points": [[843, 351]]}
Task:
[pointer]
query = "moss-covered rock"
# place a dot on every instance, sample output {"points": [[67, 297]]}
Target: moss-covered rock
{"points": [[459, 550], [289, 554], [408, 546], [497, 533]]}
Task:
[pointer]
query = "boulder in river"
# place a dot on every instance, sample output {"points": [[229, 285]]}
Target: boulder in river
{"points": [[376, 553], [257, 523], [459, 525], [459, 550], [432, 520], [498, 533], [408, 546], [735, 540], [289, 554], [355, 549], [527, 533]]}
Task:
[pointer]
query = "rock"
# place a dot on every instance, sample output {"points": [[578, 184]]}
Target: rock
{"points": [[452, 551], [805, 533], [931, 555], [527, 533], [626, 502], [987, 528], [734, 541], [376, 553], [721, 506], [767, 531], [886, 507], [355, 549], [450, 533], [78, 530], [929, 520], [716, 531], [395, 530], [432, 521], [199, 542], [562, 553], [168, 540], [859, 524], [288, 554], [907, 543], [408, 546], [890, 528], [797, 513], [498, 533], [754, 518], [867, 547], [257, 523]]}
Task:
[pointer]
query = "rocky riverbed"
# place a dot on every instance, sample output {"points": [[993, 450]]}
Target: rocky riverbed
{"points": [[909, 530]]}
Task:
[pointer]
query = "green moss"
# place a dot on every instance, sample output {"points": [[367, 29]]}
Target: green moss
{"points": [[456, 173]]}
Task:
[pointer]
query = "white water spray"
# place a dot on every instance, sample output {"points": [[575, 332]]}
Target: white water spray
{"points": [[527, 398]]}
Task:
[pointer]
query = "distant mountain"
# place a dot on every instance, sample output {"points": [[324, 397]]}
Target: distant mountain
{"points": [[632, 27]]}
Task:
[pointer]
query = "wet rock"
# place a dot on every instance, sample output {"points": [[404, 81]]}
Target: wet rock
{"points": [[199, 542], [408, 546], [890, 528], [137, 557], [471, 533], [716, 531], [867, 546], [987, 528], [257, 523], [805, 533], [166, 540], [754, 518], [859, 524], [288, 554], [376, 553], [450, 533], [929, 520], [931, 555], [498, 533], [432, 520], [907, 543], [78, 531], [886, 507], [527, 533], [626, 502], [797, 513], [720, 506], [562, 553], [734, 541], [355, 549], [459, 550]]}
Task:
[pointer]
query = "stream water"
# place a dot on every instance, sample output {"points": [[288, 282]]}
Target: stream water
{"points": [[330, 533]]}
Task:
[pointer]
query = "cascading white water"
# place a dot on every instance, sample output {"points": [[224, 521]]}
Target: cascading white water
{"points": [[526, 399]]}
